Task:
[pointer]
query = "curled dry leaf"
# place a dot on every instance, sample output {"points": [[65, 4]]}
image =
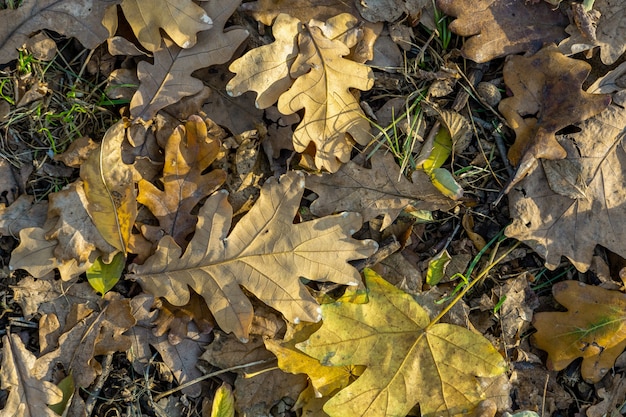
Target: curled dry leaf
{"points": [[71, 18], [265, 252], [375, 191], [593, 329], [408, 359], [189, 151], [556, 225], [29, 394], [547, 97], [305, 68], [180, 19], [503, 27], [169, 79]]}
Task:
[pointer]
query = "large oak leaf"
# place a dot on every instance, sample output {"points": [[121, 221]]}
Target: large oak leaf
{"points": [[80, 19], [556, 225], [169, 79], [503, 27], [265, 252]]}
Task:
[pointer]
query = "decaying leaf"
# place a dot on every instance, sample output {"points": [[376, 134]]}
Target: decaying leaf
{"points": [[180, 19], [22, 213], [547, 97], [390, 10], [306, 69], [374, 191], [408, 360], [169, 79], [556, 225], [110, 189], [71, 18], [593, 329], [265, 252], [29, 396], [265, 11], [503, 27], [189, 151]]}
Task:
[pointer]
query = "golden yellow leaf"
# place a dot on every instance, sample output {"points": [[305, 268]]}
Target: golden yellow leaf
{"points": [[408, 360], [593, 328], [223, 402], [109, 189], [180, 19], [265, 252]]}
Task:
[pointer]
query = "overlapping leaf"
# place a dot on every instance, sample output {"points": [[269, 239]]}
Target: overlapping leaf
{"points": [[169, 79], [593, 328], [265, 252], [305, 68], [408, 360]]}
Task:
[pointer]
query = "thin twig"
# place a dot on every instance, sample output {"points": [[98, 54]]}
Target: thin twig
{"points": [[95, 392]]}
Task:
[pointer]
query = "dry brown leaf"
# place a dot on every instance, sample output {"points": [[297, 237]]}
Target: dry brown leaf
{"points": [[88, 334], [547, 97], [22, 213], [29, 395], [71, 18], [174, 320], [554, 225], [503, 27], [169, 79], [374, 191], [265, 11], [390, 10], [609, 35], [180, 19], [181, 359], [593, 329], [189, 151], [254, 396], [305, 68], [265, 252]]}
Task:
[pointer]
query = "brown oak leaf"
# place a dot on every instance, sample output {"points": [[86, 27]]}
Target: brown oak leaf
{"points": [[189, 151], [502, 27], [371, 192], [556, 225], [547, 97]]}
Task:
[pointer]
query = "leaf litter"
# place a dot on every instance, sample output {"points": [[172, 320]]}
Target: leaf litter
{"points": [[135, 208]]}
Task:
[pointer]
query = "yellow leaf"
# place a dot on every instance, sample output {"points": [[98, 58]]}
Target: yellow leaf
{"points": [[223, 402], [109, 188], [103, 276], [444, 181], [593, 328], [437, 267], [442, 148], [408, 360]]}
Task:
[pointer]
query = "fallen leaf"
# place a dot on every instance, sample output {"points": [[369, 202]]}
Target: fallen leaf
{"points": [[592, 328], [103, 276], [180, 19], [71, 18], [255, 394], [29, 395], [22, 213], [547, 97], [265, 252], [306, 69], [503, 27], [169, 79], [189, 152], [555, 225], [608, 35], [390, 10], [223, 402], [375, 191], [408, 360], [174, 320], [265, 11], [110, 188]]}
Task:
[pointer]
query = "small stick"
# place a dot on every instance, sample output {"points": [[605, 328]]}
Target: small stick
{"points": [[95, 392]]}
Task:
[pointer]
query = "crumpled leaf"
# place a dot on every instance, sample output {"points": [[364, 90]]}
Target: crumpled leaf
{"points": [[503, 27], [180, 19], [547, 97], [593, 328], [29, 395], [265, 11], [608, 35], [169, 79], [189, 151], [374, 191], [110, 188], [22, 213], [79, 19], [390, 10], [306, 69], [265, 252], [555, 225], [408, 360]]}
